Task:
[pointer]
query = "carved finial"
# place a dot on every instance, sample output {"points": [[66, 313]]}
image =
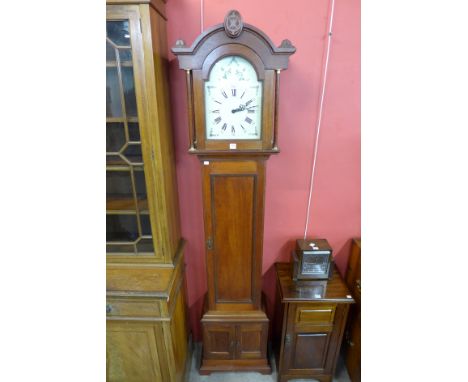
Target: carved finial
{"points": [[286, 44], [233, 23], [180, 44]]}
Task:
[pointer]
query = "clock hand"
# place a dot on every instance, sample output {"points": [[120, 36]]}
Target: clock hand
{"points": [[240, 108]]}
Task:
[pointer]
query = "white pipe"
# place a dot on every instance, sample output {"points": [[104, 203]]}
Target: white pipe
{"points": [[319, 118], [202, 21]]}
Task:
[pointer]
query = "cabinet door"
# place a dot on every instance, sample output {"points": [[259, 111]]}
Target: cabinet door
{"points": [[233, 193], [251, 341], [131, 352], [219, 341], [353, 346], [308, 351]]}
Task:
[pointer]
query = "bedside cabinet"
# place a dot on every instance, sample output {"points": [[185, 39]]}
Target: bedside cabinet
{"points": [[309, 324]]}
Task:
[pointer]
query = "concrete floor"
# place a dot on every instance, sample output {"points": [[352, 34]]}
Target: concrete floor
{"points": [[341, 374]]}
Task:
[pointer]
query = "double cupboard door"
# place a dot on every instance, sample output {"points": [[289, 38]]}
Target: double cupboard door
{"points": [[230, 341]]}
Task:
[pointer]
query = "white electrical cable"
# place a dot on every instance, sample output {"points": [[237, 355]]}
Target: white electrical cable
{"points": [[202, 6], [319, 118]]}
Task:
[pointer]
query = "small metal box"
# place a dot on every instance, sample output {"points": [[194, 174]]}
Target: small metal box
{"points": [[312, 260]]}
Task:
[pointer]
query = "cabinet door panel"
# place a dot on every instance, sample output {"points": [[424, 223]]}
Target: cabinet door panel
{"points": [[233, 207], [251, 341], [309, 351], [233, 200], [353, 348], [131, 353], [218, 341]]}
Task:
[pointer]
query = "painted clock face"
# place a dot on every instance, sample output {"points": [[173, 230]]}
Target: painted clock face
{"points": [[233, 100]]}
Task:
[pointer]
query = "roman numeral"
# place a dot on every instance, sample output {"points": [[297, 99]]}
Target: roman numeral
{"points": [[248, 120], [248, 102], [233, 130], [224, 126], [216, 111], [242, 94], [233, 91], [218, 120], [250, 110], [218, 102], [224, 93], [243, 128]]}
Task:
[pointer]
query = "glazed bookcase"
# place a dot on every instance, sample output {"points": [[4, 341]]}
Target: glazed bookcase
{"points": [[147, 333]]}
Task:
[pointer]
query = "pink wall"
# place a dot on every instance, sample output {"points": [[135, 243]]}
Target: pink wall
{"points": [[335, 212]]}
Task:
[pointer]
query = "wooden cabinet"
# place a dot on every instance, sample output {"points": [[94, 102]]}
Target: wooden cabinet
{"points": [[352, 343], [147, 332], [309, 325]]}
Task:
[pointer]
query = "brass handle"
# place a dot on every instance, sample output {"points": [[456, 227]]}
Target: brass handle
{"points": [[108, 308], [358, 284]]}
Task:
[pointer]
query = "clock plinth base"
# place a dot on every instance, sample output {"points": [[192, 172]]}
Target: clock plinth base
{"points": [[214, 366], [235, 341]]}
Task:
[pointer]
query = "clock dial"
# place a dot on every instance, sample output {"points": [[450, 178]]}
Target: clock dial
{"points": [[233, 100]]}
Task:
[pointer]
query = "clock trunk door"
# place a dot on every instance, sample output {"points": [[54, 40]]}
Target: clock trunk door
{"points": [[233, 205]]}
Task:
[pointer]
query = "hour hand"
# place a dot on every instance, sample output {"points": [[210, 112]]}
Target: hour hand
{"points": [[240, 108]]}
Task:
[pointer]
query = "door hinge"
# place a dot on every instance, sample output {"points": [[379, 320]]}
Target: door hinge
{"points": [[209, 243]]}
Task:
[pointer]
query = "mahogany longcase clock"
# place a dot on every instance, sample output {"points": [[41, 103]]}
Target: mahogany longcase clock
{"points": [[232, 73]]}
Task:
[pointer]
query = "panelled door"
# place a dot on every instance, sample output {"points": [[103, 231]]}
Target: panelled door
{"points": [[251, 341], [132, 354], [219, 341], [233, 193]]}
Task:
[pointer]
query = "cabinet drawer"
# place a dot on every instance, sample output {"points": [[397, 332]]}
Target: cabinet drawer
{"points": [[315, 314], [124, 307]]}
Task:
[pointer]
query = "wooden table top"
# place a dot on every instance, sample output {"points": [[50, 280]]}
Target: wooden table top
{"points": [[333, 290]]}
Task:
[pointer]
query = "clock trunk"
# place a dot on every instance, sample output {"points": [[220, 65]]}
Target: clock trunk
{"points": [[233, 203]]}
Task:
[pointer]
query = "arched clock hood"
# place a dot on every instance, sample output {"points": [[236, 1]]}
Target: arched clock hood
{"points": [[233, 30]]}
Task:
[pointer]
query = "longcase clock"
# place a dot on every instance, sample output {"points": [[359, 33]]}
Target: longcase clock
{"points": [[232, 73]]}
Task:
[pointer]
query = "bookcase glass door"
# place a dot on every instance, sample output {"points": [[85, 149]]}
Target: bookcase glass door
{"points": [[128, 226]]}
